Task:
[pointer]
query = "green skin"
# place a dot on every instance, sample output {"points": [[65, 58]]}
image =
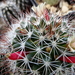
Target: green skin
{"points": [[51, 2]]}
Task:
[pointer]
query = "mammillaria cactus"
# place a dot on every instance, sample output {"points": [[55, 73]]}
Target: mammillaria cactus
{"points": [[41, 43], [10, 8]]}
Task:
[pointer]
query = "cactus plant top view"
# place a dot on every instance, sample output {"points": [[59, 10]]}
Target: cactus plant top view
{"points": [[37, 41]]}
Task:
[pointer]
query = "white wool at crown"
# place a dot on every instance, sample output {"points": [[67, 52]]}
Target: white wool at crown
{"points": [[11, 34]]}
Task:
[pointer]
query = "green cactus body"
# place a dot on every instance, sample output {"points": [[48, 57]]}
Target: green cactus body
{"points": [[43, 42]]}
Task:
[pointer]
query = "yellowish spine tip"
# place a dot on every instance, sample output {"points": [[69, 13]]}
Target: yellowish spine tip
{"points": [[19, 28], [7, 55], [48, 49]]}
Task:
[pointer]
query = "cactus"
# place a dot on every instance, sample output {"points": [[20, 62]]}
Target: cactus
{"points": [[42, 43], [11, 9]]}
